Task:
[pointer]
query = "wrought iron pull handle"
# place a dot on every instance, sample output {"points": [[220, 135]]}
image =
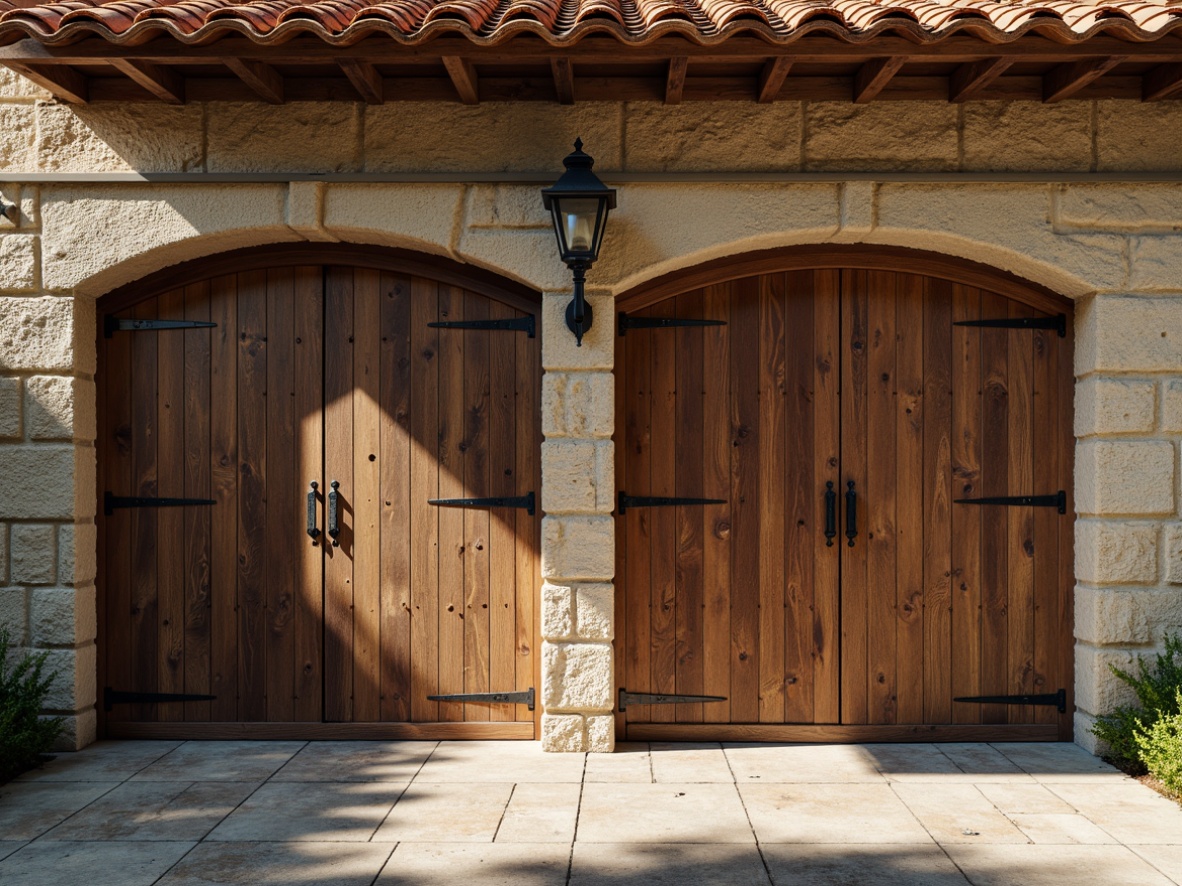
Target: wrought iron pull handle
{"points": [[830, 514], [851, 513], [334, 527], [313, 529]]}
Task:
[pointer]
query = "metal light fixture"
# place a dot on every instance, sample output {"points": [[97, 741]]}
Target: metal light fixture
{"points": [[579, 203]]}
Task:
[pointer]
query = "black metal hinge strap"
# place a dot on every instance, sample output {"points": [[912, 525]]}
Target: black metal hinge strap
{"points": [[650, 501], [1058, 500], [626, 698], [111, 325], [111, 502], [525, 697], [516, 501], [1057, 323], [626, 322], [515, 324], [115, 696], [1051, 699]]}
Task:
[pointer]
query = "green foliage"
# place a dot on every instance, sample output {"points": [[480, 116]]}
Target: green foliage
{"points": [[1161, 748], [1156, 687], [24, 734]]}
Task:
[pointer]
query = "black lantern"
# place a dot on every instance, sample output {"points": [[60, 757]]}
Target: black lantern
{"points": [[579, 203]]}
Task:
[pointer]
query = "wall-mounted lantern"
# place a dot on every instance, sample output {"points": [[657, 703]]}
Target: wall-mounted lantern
{"points": [[579, 203]]}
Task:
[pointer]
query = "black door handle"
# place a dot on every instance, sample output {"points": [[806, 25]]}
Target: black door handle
{"points": [[830, 514], [313, 529], [851, 513], [334, 526]]}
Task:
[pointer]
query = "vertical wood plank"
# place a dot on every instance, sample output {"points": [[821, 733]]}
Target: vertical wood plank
{"points": [[1045, 347], [502, 441], [663, 467], [529, 526], [477, 522], [144, 534], [637, 420], [1020, 521], [1066, 584]]}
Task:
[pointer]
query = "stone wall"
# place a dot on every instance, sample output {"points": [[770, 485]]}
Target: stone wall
{"points": [[1113, 247]]}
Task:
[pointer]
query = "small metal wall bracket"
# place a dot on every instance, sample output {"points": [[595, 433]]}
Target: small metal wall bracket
{"points": [[1057, 500], [526, 501], [112, 324], [1050, 699], [113, 697], [626, 698], [527, 324], [626, 501], [10, 211], [525, 697], [113, 502], [1058, 323], [625, 321]]}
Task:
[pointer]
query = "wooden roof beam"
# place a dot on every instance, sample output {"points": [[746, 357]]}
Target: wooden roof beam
{"points": [[1164, 81], [563, 72], [262, 79], [873, 77], [772, 77], [675, 80], [463, 78], [970, 79], [1063, 81], [165, 84], [366, 79], [62, 81]]}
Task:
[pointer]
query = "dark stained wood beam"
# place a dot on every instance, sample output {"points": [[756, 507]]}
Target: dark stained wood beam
{"points": [[263, 80], [969, 79], [164, 83], [366, 79], [563, 71], [771, 78], [463, 78], [1064, 81], [62, 81], [1164, 81], [675, 80], [873, 77]]}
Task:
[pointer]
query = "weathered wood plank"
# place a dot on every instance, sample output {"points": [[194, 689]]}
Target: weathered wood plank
{"points": [[163, 82], [1066, 80], [663, 521], [563, 72], [463, 77], [503, 410], [366, 79], [261, 78], [873, 77], [971, 78], [771, 79], [675, 80]]}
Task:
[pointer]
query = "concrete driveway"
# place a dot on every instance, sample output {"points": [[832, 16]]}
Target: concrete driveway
{"points": [[427, 813]]}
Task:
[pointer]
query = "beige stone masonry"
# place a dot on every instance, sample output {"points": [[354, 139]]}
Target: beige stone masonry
{"points": [[1110, 406]]}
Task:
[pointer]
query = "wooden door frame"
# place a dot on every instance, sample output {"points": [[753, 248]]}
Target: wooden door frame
{"points": [[441, 269], [862, 257]]}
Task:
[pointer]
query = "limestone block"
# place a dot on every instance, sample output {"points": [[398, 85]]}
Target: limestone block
{"points": [[305, 210], [14, 614], [577, 547], [601, 733], [33, 552], [18, 130], [119, 136], [62, 616], [1119, 477], [1097, 690], [1114, 406], [1173, 546], [506, 206], [11, 424], [712, 136], [577, 676], [1116, 616], [18, 262], [1121, 333], [1083, 734], [1138, 136], [1115, 553], [255, 137], [78, 731], [858, 208], [595, 611], [578, 404], [10, 195], [12, 85], [411, 215], [39, 484], [77, 548], [578, 476], [3, 553], [526, 254], [1154, 263], [558, 612], [74, 686], [559, 348], [1147, 207], [1171, 407], [491, 136], [884, 136], [563, 733], [1027, 137], [49, 409]]}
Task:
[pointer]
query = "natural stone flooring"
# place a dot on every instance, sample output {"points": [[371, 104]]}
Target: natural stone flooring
{"points": [[433, 813]]}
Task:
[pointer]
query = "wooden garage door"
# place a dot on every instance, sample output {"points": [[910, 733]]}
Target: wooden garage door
{"points": [[319, 374], [860, 379]]}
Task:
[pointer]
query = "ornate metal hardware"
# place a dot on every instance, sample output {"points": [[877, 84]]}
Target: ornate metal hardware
{"points": [[115, 696], [626, 322], [851, 513], [515, 324], [1051, 699], [111, 325], [830, 514], [1057, 323], [650, 501], [634, 698], [525, 697], [313, 529], [112, 502], [1057, 500], [334, 526], [513, 501]]}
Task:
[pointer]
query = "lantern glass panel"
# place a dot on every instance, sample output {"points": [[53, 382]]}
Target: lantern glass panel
{"points": [[578, 219]]}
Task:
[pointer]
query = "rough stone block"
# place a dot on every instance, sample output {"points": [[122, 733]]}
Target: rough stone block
{"points": [[1084, 737], [18, 130], [36, 333], [1114, 406], [1171, 407], [14, 614], [78, 731], [1097, 690], [10, 195], [118, 137], [49, 409], [578, 404], [1129, 334], [414, 216], [595, 611], [1115, 616], [505, 206], [3, 553], [579, 548], [601, 733], [559, 348], [305, 210], [18, 262], [563, 733], [1115, 553], [12, 85], [712, 136], [880, 136], [577, 676], [578, 476], [11, 424], [526, 254], [1154, 264], [1134, 136], [62, 616], [859, 208], [263, 138], [39, 484], [77, 546], [1124, 477], [1027, 137], [33, 551], [558, 612], [1173, 546], [74, 686], [1135, 207]]}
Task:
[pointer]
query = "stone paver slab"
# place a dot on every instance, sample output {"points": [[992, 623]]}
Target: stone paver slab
{"points": [[505, 762], [468, 864], [1060, 762], [313, 811], [102, 761], [662, 813], [1128, 810], [1033, 865], [280, 864], [221, 761], [674, 864], [540, 813], [690, 763], [154, 810], [958, 813], [630, 763], [446, 813], [830, 813], [389, 762], [7, 847], [984, 763], [913, 762], [861, 865], [1060, 828], [801, 763], [29, 809], [1032, 798], [46, 863], [1167, 859]]}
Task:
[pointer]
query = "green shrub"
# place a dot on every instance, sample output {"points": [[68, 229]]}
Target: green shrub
{"points": [[1156, 688], [1161, 748], [24, 734]]}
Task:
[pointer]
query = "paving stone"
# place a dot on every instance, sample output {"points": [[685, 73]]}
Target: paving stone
{"points": [[1129, 811], [540, 813], [29, 810], [675, 864], [385, 761], [1060, 762], [102, 761], [7, 847], [280, 864], [1033, 865], [690, 763], [662, 813], [801, 763], [958, 813], [492, 864], [631, 762], [154, 810], [446, 813], [830, 813], [1167, 859], [984, 763], [1061, 828], [1025, 799], [854, 865], [507, 762], [221, 761], [913, 762], [313, 811], [92, 864]]}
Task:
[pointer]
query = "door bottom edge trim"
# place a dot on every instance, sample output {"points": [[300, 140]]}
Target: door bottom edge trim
{"points": [[312, 731], [842, 734]]}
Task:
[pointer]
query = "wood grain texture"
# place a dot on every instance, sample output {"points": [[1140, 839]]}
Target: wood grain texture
{"points": [[751, 732]]}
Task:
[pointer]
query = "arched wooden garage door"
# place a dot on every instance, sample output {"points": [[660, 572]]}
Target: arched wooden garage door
{"points": [[334, 372], [832, 585]]}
